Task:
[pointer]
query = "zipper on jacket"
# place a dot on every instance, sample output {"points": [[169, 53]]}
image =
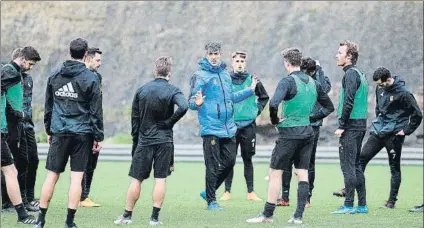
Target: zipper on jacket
{"points": [[219, 111], [225, 103], [232, 110]]}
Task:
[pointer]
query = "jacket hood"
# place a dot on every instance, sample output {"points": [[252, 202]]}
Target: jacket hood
{"points": [[71, 68], [317, 72], [204, 64], [239, 77], [398, 83]]}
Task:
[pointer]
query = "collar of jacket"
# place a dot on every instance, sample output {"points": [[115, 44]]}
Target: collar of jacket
{"points": [[16, 66], [206, 65], [345, 68]]}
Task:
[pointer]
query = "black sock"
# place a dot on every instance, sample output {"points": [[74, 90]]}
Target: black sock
{"points": [[42, 215], [269, 209], [302, 196], [20, 209], [155, 213], [70, 217], [127, 214]]}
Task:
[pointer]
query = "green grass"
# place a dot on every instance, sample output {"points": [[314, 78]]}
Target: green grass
{"points": [[119, 138], [183, 208]]}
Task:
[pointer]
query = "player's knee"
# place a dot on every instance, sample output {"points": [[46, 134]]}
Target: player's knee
{"points": [[160, 184], [302, 174], [33, 160], [247, 160], [229, 164], [274, 173], [76, 179], [160, 180], [363, 160], [350, 180], [395, 173], [52, 177]]}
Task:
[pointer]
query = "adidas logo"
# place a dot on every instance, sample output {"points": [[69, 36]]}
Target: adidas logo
{"points": [[66, 91]]}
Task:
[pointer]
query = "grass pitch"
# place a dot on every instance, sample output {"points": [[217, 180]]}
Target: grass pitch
{"points": [[183, 208]]}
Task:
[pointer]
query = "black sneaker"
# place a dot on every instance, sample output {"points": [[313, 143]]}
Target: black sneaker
{"points": [[29, 219], [417, 209], [155, 222], [294, 220], [35, 203], [73, 225], [39, 224], [7, 207], [31, 207], [389, 204]]}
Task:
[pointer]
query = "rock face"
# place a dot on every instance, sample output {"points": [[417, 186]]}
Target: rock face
{"points": [[133, 34]]}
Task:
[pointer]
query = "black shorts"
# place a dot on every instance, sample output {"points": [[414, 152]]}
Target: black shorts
{"points": [[246, 138], [292, 151], [78, 147], [159, 156], [6, 155]]}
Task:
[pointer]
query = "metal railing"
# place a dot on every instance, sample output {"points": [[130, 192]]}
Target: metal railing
{"points": [[194, 153]]}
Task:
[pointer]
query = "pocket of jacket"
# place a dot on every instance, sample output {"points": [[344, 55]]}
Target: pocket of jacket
{"points": [[218, 111]]}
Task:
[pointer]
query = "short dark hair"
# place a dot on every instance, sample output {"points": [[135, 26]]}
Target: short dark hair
{"points": [[213, 47], [163, 66], [93, 50], [308, 65], [78, 47], [292, 56], [242, 54], [29, 53], [352, 50], [382, 74]]}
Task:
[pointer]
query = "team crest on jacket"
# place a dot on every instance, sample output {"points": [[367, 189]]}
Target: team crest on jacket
{"points": [[213, 142], [215, 82], [391, 98]]}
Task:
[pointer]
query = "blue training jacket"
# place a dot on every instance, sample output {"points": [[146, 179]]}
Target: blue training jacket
{"points": [[216, 114]]}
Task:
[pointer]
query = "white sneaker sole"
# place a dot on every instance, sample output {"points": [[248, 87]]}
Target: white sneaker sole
{"points": [[122, 222], [155, 223]]}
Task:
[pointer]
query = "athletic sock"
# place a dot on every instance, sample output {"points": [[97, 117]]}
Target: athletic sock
{"points": [[70, 217], [42, 215], [155, 213], [20, 209], [269, 209], [302, 196], [127, 214]]}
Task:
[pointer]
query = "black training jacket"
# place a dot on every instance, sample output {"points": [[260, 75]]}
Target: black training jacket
{"points": [[396, 110], [153, 116], [73, 101]]}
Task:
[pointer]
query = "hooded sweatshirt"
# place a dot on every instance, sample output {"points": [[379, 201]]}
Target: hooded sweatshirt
{"points": [[73, 101], [396, 110]]}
